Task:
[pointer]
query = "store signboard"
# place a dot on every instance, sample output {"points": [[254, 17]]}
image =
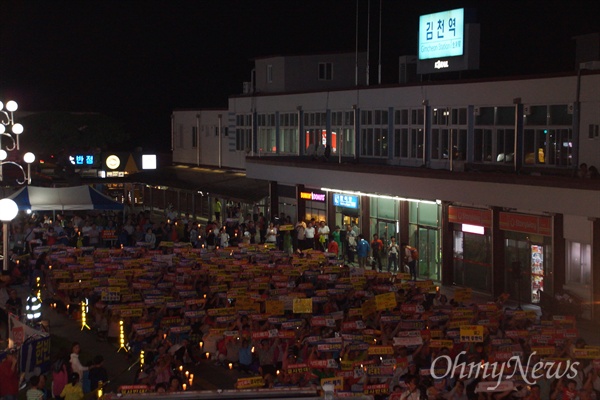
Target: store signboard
{"points": [[313, 196], [526, 223], [345, 200], [470, 216]]}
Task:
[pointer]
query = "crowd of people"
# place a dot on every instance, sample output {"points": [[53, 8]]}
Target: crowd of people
{"points": [[284, 309]]}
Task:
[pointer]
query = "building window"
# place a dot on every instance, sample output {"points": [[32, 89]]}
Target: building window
{"points": [[243, 132], [325, 71], [494, 135], [408, 133], [269, 73], [288, 133], [374, 133], [342, 132], [194, 136], [266, 133], [315, 131], [449, 129]]}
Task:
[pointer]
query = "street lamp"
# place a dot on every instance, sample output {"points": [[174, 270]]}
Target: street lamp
{"points": [[7, 119], [11, 130], [28, 157], [8, 212]]}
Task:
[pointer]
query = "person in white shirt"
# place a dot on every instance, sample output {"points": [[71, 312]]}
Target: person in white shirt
{"points": [[224, 238], [323, 232], [76, 365], [271, 236], [309, 236]]}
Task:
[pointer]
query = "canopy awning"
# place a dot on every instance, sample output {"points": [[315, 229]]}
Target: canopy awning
{"points": [[231, 185], [64, 198]]}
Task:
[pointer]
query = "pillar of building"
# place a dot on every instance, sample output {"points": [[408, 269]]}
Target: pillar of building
{"points": [[301, 203], [498, 259], [447, 246], [595, 268], [273, 199]]}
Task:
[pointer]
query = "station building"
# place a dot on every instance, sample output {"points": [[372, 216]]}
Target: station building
{"points": [[481, 175]]}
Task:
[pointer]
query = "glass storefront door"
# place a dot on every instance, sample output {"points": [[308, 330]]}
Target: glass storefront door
{"points": [[472, 261], [427, 240]]}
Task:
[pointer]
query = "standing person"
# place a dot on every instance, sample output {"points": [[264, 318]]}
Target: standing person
{"points": [[376, 250], [410, 257], [14, 304], [217, 209], [309, 236], [336, 236], [393, 253], [150, 238], [271, 236], [60, 373], [301, 235], [332, 247], [97, 373], [72, 390], [76, 365], [224, 238], [362, 251], [350, 244], [323, 234], [36, 390], [412, 391], [9, 377]]}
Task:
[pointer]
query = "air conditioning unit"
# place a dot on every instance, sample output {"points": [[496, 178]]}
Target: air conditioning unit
{"points": [[247, 87], [476, 111], [570, 108], [527, 109]]}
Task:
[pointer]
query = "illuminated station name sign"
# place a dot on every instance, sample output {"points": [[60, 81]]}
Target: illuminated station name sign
{"points": [[441, 34], [320, 197]]}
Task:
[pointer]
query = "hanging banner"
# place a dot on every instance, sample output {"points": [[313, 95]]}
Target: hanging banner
{"points": [[35, 353]]}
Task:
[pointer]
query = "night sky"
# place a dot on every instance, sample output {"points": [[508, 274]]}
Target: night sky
{"points": [[139, 60]]}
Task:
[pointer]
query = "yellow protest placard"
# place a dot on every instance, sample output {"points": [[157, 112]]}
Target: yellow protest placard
{"points": [[471, 333], [274, 307], [302, 306], [368, 307], [246, 383], [385, 301]]}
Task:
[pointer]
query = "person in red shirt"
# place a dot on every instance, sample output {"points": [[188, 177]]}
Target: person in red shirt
{"points": [[333, 247], [9, 377], [377, 249]]}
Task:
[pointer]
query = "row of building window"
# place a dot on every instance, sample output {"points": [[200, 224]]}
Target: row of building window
{"points": [[547, 134]]}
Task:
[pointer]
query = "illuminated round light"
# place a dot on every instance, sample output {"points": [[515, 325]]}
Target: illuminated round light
{"points": [[12, 105], [8, 210], [17, 129], [2, 128], [113, 162], [3, 154], [29, 157], [1, 105]]}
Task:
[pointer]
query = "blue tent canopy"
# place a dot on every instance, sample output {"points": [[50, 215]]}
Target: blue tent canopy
{"points": [[65, 198]]}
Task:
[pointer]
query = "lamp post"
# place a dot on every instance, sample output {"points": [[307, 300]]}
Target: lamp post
{"points": [[11, 131], [8, 211]]}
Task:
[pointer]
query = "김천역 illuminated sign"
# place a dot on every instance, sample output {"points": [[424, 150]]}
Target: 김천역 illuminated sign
{"points": [[345, 200], [320, 197], [441, 34]]}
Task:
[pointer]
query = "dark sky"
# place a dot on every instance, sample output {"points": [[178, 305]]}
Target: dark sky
{"points": [[138, 60]]}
